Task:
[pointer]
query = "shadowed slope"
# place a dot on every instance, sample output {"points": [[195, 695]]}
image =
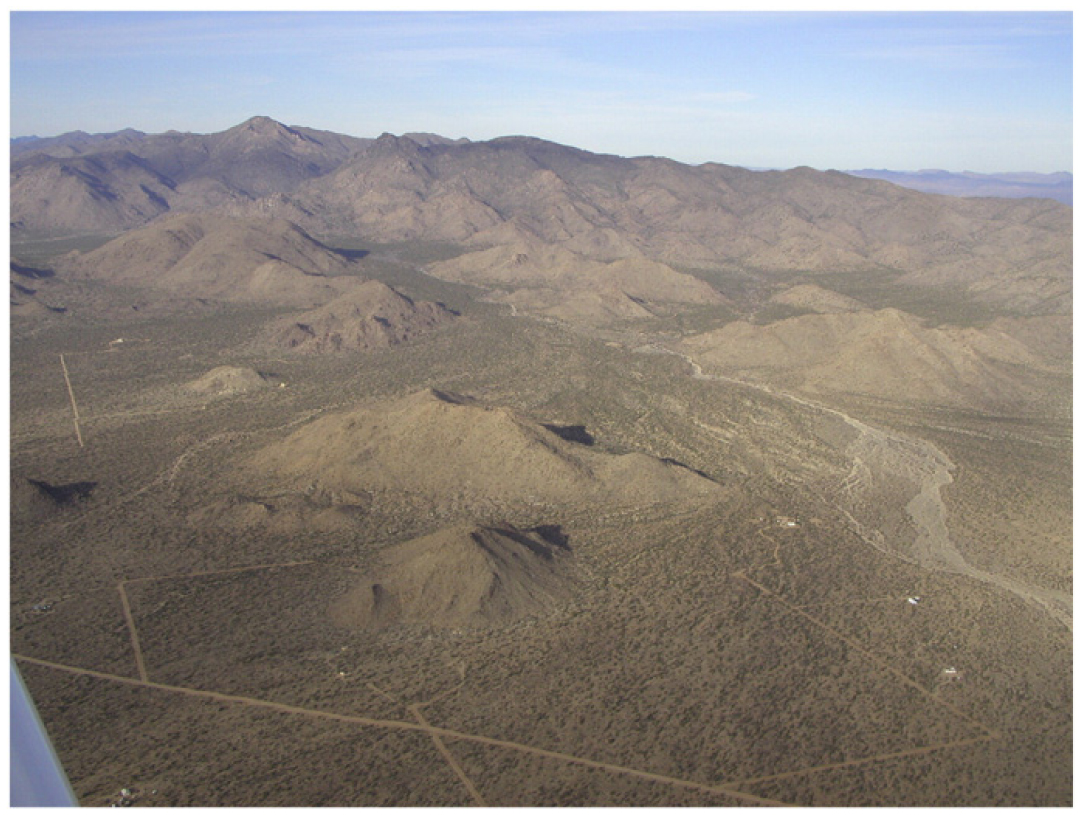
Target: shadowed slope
{"points": [[460, 576], [258, 260], [371, 316], [451, 447], [31, 292]]}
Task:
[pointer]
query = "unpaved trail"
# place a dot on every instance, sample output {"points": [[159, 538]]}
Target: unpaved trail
{"points": [[725, 789], [877, 452]]}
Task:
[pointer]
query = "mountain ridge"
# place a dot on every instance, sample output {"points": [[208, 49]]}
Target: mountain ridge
{"points": [[600, 208]]}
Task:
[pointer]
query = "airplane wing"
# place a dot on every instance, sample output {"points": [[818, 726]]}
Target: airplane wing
{"points": [[37, 779]]}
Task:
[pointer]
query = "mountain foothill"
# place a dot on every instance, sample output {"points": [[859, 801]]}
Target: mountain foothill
{"points": [[559, 233]]}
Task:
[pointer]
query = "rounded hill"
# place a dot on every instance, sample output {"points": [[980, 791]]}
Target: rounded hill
{"points": [[462, 576], [447, 446], [266, 261], [371, 316]]}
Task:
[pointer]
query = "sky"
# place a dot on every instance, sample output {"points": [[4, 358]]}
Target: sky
{"points": [[978, 91]]}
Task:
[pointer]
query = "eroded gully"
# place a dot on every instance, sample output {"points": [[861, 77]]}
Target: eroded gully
{"points": [[875, 450]]}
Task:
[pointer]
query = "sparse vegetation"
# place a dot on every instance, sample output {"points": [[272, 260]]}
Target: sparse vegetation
{"points": [[671, 486], [665, 677]]}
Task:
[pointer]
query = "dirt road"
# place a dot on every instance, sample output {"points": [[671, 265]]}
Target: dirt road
{"points": [[419, 726]]}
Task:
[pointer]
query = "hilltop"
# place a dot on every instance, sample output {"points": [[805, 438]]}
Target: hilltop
{"points": [[231, 259], [451, 447], [371, 316], [889, 354], [461, 576]]}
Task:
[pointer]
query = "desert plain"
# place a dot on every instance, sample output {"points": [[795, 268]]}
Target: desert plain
{"points": [[345, 517]]}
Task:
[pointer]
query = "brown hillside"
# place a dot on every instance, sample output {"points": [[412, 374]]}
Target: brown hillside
{"points": [[563, 284], [710, 216], [114, 181], [1011, 254], [99, 193], [461, 576], [226, 380], [221, 258], [1050, 337], [818, 299], [441, 445], [371, 316], [592, 306], [886, 354]]}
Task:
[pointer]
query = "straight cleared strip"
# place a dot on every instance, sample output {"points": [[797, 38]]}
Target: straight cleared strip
{"points": [[133, 633], [71, 395], [860, 648], [410, 726], [450, 759]]}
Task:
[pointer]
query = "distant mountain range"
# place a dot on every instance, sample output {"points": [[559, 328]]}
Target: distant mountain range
{"points": [[533, 213], [1057, 186]]}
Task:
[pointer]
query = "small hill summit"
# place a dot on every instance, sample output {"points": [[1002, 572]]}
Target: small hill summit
{"points": [[227, 380], [463, 576], [886, 354], [556, 282], [371, 316], [810, 297], [446, 447], [212, 256]]}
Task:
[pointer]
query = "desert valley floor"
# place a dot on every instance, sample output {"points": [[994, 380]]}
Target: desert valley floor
{"points": [[523, 561]]}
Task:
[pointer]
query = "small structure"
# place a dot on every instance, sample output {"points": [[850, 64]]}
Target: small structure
{"points": [[913, 600], [126, 798], [786, 522], [951, 674]]}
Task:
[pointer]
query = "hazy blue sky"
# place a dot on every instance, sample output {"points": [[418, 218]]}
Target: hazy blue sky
{"points": [[960, 91]]}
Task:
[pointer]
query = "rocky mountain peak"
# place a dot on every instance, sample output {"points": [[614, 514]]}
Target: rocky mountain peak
{"points": [[264, 128]]}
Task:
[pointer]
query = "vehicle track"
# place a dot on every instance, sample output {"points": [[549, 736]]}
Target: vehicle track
{"points": [[439, 735], [417, 727], [868, 654], [928, 469]]}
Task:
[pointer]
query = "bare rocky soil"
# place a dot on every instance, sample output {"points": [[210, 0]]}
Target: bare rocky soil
{"points": [[863, 604]]}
